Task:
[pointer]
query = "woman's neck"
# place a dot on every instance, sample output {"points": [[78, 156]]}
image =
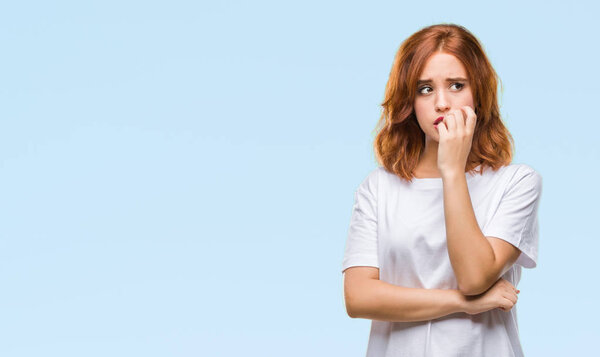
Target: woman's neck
{"points": [[427, 166]]}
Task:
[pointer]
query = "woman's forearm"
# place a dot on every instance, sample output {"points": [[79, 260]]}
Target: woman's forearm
{"points": [[470, 252], [387, 302]]}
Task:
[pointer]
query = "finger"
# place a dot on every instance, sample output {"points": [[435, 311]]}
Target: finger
{"points": [[469, 113], [450, 120], [511, 289], [460, 122], [507, 304], [463, 114], [511, 301], [508, 283], [512, 297], [442, 130], [471, 118]]}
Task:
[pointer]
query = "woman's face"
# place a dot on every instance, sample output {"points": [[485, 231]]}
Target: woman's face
{"points": [[443, 86]]}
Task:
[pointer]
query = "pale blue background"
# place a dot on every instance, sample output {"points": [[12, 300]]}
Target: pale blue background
{"points": [[177, 178]]}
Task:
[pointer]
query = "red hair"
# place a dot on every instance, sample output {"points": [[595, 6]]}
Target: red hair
{"points": [[400, 141]]}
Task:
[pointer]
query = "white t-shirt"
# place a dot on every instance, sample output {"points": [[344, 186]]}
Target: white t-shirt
{"points": [[399, 228]]}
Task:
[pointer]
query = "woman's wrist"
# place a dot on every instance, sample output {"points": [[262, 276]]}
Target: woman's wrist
{"points": [[460, 301]]}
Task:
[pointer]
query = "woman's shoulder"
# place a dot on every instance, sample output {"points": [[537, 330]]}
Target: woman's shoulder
{"points": [[513, 169], [376, 173], [380, 172], [519, 174], [522, 170], [370, 181]]}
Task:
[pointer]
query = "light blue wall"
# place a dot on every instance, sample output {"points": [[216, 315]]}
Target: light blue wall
{"points": [[177, 178]]}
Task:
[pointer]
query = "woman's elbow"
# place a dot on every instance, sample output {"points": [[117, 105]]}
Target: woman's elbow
{"points": [[352, 309], [473, 288]]}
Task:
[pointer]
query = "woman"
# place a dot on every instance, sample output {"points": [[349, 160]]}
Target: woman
{"points": [[439, 232]]}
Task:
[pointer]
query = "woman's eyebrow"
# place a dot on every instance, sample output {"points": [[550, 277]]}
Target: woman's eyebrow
{"points": [[421, 81]]}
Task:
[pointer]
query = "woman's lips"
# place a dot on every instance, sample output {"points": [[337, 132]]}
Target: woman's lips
{"points": [[438, 120]]}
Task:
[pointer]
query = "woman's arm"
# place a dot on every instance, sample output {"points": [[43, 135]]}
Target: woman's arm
{"points": [[368, 297], [471, 255], [477, 262]]}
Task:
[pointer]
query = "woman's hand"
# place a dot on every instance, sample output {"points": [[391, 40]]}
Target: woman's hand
{"points": [[501, 295], [456, 137]]}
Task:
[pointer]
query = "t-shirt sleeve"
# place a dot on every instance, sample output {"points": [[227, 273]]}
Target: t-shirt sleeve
{"points": [[516, 218], [361, 243]]}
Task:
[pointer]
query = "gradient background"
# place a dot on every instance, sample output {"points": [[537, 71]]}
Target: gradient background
{"points": [[177, 178]]}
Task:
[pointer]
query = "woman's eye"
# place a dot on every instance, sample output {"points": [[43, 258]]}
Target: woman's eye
{"points": [[459, 87], [422, 88]]}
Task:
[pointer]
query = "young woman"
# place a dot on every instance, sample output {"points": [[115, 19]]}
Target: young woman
{"points": [[439, 232]]}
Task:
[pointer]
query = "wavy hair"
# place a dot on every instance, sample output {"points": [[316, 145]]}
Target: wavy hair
{"points": [[399, 140]]}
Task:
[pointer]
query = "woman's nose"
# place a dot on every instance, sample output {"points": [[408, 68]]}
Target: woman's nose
{"points": [[441, 103]]}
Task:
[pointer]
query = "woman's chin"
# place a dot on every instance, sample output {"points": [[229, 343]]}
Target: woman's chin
{"points": [[435, 139]]}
